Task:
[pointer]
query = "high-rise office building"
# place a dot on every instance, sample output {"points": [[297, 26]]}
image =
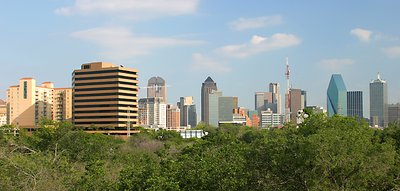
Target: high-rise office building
{"points": [[3, 113], [153, 112], [27, 103], [226, 106], [105, 95], [274, 88], [156, 87], [298, 101], [355, 104], [213, 108], [394, 113], [188, 112], [378, 100], [207, 87], [173, 117], [337, 96], [263, 100]]}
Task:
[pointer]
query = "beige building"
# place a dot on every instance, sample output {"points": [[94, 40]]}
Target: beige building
{"points": [[27, 103], [3, 113], [62, 104], [105, 96]]}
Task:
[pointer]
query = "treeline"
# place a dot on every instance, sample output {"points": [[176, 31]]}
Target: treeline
{"points": [[323, 153]]}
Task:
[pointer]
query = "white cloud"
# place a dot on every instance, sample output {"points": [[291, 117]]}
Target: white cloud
{"points": [[254, 23], [120, 43], [259, 44], [201, 62], [131, 8], [393, 52], [362, 34], [336, 63]]}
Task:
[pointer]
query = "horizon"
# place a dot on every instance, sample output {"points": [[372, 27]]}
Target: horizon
{"points": [[242, 47]]}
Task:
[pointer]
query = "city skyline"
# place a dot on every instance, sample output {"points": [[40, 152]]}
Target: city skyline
{"points": [[186, 41]]}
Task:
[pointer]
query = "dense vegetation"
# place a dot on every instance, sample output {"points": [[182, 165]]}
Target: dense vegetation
{"points": [[323, 153]]}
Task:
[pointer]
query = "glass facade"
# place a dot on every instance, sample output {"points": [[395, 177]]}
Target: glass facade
{"points": [[378, 102], [337, 96]]}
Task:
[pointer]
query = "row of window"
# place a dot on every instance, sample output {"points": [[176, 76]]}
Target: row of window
{"points": [[104, 117], [106, 111], [104, 100], [106, 88], [105, 94], [103, 77], [104, 72], [105, 83], [104, 105], [103, 123]]}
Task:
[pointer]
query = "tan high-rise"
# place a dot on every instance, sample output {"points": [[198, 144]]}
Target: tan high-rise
{"points": [[105, 95], [27, 103]]}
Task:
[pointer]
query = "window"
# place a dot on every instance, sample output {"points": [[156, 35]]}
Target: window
{"points": [[25, 90]]}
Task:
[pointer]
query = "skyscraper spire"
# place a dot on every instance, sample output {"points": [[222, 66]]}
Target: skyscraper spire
{"points": [[287, 95]]}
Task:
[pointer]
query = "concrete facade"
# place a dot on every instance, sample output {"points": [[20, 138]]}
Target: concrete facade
{"points": [[105, 96]]}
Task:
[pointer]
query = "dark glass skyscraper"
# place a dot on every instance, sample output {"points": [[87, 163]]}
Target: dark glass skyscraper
{"points": [[207, 87], [355, 104], [378, 101], [337, 96]]}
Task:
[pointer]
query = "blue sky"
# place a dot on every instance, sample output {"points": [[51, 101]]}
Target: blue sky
{"points": [[242, 45]]}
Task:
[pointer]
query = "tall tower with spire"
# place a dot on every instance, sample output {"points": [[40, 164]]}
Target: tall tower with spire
{"points": [[207, 87], [378, 99], [287, 92]]}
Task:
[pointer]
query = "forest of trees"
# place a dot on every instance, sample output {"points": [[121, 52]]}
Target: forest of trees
{"points": [[323, 153]]}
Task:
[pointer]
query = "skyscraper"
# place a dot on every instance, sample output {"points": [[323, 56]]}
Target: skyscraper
{"points": [[378, 100], [105, 95], [337, 96], [188, 114], [213, 108], [207, 87], [297, 102], [394, 113], [274, 88], [226, 105], [156, 87], [263, 100], [355, 104]]}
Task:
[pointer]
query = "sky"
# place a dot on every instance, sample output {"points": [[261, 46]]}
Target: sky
{"points": [[241, 44]]}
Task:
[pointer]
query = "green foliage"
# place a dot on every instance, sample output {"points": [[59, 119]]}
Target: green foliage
{"points": [[323, 153]]}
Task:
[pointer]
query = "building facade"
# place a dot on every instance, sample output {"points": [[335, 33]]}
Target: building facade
{"points": [[3, 113], [394, 113], [298, 101], [156, 87], [275, 89], [27, 103], [153, 113], [355, 104], [337, 96], [207, 87], [188, 112], [378, 101], [226, 106], [213, 108], [105, 96], [173, 117], [270, 119]]}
